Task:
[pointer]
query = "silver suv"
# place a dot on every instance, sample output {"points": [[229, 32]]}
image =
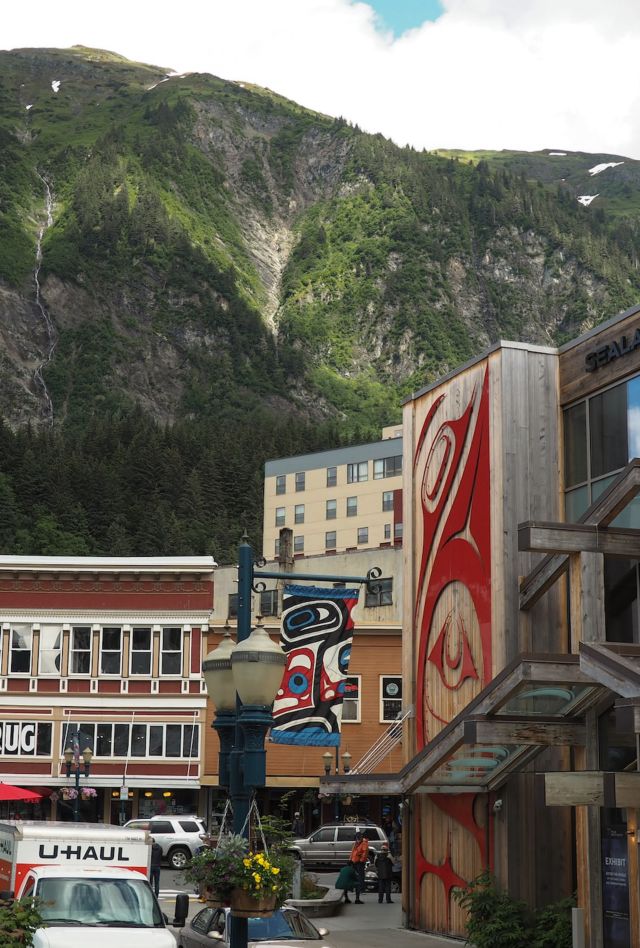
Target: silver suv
{"points": [[179, 836], [333, 842]]}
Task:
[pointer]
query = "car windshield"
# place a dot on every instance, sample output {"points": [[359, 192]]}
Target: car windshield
{"points": [[281, 925], [113, 903]]}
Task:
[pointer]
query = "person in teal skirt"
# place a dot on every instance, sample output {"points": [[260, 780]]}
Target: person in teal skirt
{"points": [[347, 880]]}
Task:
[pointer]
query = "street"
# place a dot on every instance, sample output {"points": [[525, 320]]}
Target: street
{"points": [[357, 926]]}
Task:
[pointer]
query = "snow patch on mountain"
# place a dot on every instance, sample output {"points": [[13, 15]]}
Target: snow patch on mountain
{"points": [[603, 167], [586, 199], [55, 84]]}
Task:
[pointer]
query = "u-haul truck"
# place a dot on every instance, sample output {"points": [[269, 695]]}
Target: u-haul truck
{"points": [[84, 875]]}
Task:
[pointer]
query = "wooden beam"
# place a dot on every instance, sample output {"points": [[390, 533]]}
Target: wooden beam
{"points": [[611, 668], [579, 788], [540, 537], [518, 731], [586, 584]]}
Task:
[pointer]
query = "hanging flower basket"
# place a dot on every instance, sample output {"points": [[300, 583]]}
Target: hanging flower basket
{"points": [[68, 793], [88, 793], [214, 898], [246, 905]]}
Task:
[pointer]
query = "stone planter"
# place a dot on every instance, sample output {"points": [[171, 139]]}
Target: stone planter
{"points": [[243, 905]]}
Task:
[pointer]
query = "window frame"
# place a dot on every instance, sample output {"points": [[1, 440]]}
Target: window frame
{"points": [[41, 651], [387, 501], [77, 651], [138, 651], [281, 484], [273, 610], [331, 513], [355, 472], [102, 651], [374, 600], [298, 543], [20, 628], [351, 506], [168, 652], [382, 467], [362, 535], [327, 544], [332, 477], [382, 718], [298, 513], [300, 481], [129, 725], [280, 518], [357, 701], [11, 755]]}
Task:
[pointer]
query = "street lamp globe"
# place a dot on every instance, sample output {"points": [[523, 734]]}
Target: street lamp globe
{"points": [[328, 759], [346, 762], [218, 677], [258, 665]]}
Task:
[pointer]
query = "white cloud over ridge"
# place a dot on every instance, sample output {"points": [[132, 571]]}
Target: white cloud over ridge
{"points": [[524, 74]]}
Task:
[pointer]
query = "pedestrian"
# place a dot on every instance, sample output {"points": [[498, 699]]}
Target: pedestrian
{"points": [[297, 828], [347, 880], [359, 857], [154, 871], [384, 868]]}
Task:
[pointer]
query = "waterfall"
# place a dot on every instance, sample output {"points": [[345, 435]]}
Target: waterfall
{"points": [[51, 333]]}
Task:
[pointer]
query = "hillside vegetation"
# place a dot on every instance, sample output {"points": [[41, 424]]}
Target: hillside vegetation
{"points": [[232, 276]]}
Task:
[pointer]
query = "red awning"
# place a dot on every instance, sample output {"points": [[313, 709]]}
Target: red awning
{"points": [[9, 792]]}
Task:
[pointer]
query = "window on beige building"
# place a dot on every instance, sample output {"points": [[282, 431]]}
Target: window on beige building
{"points": [[298, 544], [331, 510], [352, 506], [298, 513], [357, 472], [300, 481], [330, 540], [387, 467], [280, 516], [363, 534], [332, 476], [281, 484], [387, 500]]}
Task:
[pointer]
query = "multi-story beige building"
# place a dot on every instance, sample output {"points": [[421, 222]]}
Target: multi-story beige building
{"points": [[335, 501]]}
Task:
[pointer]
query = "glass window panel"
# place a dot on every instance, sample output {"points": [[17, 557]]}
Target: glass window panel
{"points": [[280, 516], [633, 417], [80, 663], [298, 544], [172, 639], [575, 444], [50, 649], [330, 540], [21, 638], [298, 514], [111, 654], [363, 534], [630, 516], [104, 740], [139, 740], [620, 599], [190, 741], [171, 657], [352, 506], [608, 430], [331, 509], [575, 504], [332, 476], [173, 744], [121, 740], [281, 484], [43, 740], [300, 479], [387, 500], [156, 739], [141, 651]]}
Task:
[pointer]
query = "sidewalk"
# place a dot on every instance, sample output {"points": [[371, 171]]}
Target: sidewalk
{"points": [[377, 926]]}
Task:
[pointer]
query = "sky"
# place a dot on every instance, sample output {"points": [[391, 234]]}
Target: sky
{"points": [[470, 74]]}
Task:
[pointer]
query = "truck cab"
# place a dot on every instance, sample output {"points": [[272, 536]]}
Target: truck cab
{"points": [[116, 904]]}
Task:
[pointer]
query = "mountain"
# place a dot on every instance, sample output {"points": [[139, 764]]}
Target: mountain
{"points": [[192, 258]]}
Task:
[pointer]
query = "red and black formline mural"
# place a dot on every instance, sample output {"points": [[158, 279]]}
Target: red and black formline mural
{"points": [[451, 474]]}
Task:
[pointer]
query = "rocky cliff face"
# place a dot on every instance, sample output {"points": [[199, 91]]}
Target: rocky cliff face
{"points": [[213, 244]]}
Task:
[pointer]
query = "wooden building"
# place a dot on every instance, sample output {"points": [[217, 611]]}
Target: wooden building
{"points": [[521, 650]]}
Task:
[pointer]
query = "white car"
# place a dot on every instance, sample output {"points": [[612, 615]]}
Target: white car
{"points": [[286, 928], [179, 836]]}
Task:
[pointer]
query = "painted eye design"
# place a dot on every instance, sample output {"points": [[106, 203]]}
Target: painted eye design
{"points": [[298, 684]]}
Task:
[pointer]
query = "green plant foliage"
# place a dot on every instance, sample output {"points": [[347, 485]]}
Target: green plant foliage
{"points": [[18, 922], [495, 920]]}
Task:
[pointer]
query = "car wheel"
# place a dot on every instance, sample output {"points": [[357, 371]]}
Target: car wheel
{"points": [[178, 858]]}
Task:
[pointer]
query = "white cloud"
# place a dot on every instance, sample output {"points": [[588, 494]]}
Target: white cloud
{"points": [[528, 74]]}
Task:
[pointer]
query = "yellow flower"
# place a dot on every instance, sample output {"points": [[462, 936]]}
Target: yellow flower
{"points": [[257, 877], [246, 862], [275, 870]]}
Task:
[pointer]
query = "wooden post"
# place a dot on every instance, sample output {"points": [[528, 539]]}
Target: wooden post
{"points": [[586, 582]]}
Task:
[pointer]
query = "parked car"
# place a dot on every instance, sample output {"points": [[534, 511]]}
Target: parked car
{"points": [[371, 877], [333, 842], [287, 927], [179, 836]]}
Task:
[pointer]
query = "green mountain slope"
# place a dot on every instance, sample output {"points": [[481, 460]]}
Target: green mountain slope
{"points": [[216, 257]]}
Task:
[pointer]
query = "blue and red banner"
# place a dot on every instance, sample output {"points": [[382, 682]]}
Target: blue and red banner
{"points": [[317, 630]]}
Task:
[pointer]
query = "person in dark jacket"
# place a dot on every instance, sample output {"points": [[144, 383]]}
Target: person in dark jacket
{"points": [[154, 871], [298, 828], [384, 868], [347, 880]]}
